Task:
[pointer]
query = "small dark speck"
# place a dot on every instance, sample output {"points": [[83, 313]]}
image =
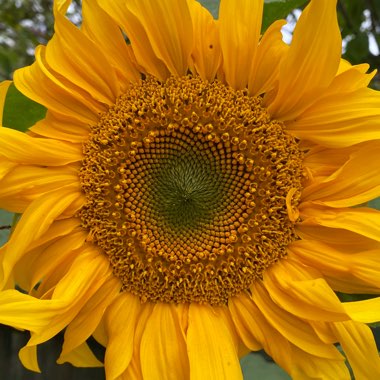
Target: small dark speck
{"points": [[211, 46]]}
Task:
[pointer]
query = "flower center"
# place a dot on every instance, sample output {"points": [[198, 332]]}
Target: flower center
{"points": [[191, 190]]}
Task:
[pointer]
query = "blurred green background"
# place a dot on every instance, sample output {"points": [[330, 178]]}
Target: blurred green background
{"points": [[26, 23]]}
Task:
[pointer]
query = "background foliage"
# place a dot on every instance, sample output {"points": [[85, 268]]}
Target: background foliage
{"points": [[26, 23]]}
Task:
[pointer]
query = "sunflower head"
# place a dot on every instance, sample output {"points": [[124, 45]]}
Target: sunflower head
{"points": [[189, 195], [188, 186]]}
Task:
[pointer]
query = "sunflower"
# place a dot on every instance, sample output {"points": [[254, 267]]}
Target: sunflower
{"points": [[189, 195]]}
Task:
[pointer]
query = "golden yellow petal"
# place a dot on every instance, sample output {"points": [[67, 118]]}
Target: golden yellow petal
{"points": [[227, 318], [169, 29], [88, 318], [160, 33], [351, 78], [206, 54], [350, 241], [245, 323], [240, 27], [58, 128], [133, 370], [38, 263], [345, 271], [112, 43], [312, 60], [210, 346], [21, 148], [71, 54], [265, 68], [28, 358], [120, 323], [33, 224], [100, 333], [323, 162], [356, 182], [6, 167], [3, 93], [255, 331], [366, 311], [340, 119], [22, 311], [57, 229], [309, 367], [163, 346], [361, 220], [302, 292], [359, 346], [87, 274], [39, 83], [295, 329], [136, 33], [25, 183], [81, 356]]}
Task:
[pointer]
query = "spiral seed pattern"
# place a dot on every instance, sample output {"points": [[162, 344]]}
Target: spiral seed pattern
{"points": [[191, 188]]}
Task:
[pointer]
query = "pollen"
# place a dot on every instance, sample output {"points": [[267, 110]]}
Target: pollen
{"points": [[191, 190]]}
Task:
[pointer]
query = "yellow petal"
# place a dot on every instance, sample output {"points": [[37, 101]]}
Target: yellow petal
{"points": [[106, 34], [121, 319], [38, 263], [300, 292], [206, 53], [133, 370], [3, 93], [88, 318], [57, 229], [169, 29], [362, 220], [340, 120], [28, 358], [323, 162], [354, 183], [25, 183], [359, 346], [50, 259], [26, 312], [58, 128], [39, 83], [163, 346], [265, 68], [312, 60], [87, 274], [309, 367], [20, 147], [81, 356], [72, 55], [160, 33], [240, 27], [255, 330], [136, 33], [34, 223], [345, 271], [295, 329], [351, 241], [366, 311], [245, 323], [210, 345], [350, 78]]}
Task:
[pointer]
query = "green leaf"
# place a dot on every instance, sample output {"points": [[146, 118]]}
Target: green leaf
{"points": [[344, 297], [19, 111], [375, 203], [212, 6], [6, 220], [278, 9]]}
